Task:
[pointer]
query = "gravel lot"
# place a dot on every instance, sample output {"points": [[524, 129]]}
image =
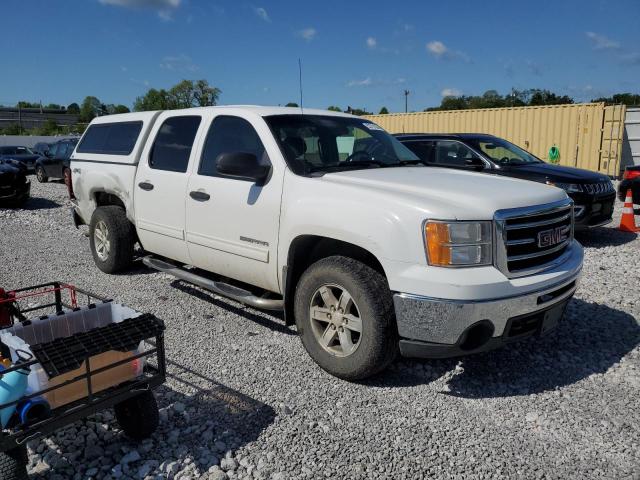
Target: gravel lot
{"points": [[245, 401]]}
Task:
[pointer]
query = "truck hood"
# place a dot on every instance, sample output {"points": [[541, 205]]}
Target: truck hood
{"points": [[449, 193], [556, 173]]}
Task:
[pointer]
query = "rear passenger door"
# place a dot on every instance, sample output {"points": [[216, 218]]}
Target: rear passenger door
{"points": [[161, 185]]}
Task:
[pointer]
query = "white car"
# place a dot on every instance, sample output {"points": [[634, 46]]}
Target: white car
{"points": [[326, 216]]}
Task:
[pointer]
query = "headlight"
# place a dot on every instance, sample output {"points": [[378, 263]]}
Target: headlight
{"points": [[567, 187], [458, 244]]}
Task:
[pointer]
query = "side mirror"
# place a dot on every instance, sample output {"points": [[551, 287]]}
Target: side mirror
{"points": [[474, 163], [243, 166]]}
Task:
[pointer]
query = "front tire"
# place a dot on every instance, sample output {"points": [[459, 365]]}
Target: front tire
{"points": [[111, 238], [41, 175], [345, 317]]}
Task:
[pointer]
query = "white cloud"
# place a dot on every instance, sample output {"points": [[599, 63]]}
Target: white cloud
{"points": [[632, 58], [450, 92], [371, 42], [439, 50], [179, 63], [600, 42], [360, 83], [262, 13], [369, 82], [164, 8], [308, 33]]}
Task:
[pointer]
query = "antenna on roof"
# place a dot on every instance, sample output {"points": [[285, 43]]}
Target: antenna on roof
{"points": [[300, 83]]}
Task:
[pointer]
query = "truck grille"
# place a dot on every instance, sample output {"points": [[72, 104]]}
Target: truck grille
{"points": [[598, 188], [529, 240]]}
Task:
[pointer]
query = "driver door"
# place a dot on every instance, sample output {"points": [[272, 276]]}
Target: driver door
{"points": [[455, 154], [232, 224]]}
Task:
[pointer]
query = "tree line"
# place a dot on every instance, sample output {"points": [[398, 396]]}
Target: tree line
{"points": [[198, 93]]}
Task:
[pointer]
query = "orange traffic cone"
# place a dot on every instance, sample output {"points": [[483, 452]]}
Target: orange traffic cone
{"points": [[627, 221]]}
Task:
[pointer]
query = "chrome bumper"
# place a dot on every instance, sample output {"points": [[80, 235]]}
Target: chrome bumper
{"points": [[443, 321]]}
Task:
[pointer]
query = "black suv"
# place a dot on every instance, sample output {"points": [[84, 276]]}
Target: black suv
{"points": [[593, 193], [14, 186], [55, 160]]}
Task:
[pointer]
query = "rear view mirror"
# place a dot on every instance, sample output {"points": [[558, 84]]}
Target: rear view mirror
{"points": [[243, 166]]}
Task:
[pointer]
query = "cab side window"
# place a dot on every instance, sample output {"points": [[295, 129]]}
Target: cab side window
{"points": [[453, 154], [229, 134], [423, 149], [53, 151], [172, 146]]}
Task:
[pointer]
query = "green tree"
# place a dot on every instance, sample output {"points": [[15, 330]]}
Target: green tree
{"points": [[12, 129], [186, 94], [54, 106], [205, 95], [333, 108], [73, 108], [153, 100], [492, 99], [23, 104], [49, 127], [292, 104], [545, 97], [383, 111], [629, 99], [358, 111], [111, 109], [91, 108]]}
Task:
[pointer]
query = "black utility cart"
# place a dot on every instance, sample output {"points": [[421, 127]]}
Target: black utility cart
{"points": [[78, 353]]}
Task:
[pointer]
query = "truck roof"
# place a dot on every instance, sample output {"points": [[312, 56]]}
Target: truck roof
{"points": [[263, 111], [427, 136]]}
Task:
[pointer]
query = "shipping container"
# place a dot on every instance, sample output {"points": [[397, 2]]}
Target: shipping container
{"points": [[587, 135]]}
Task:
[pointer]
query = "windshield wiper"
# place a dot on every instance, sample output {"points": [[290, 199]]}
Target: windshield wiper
{"points": [[349, 165], [410, 162]]}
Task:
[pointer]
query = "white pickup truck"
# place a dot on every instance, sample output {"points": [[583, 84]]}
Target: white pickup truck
{"points": [[327, 217]]}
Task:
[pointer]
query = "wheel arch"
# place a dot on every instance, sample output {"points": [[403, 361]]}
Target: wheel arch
{"points": [[305, 250]]}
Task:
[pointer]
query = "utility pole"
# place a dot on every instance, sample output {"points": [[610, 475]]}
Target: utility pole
{"points": [[406, 104], [19, 119]]}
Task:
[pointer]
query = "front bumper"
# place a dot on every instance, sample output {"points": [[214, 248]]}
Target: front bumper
{"points": [[440, 328], [13, 194], [593, 211]]}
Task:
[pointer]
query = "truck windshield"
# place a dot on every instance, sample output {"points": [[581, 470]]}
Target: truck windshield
{"points": [[503, 152], [316, 144]]}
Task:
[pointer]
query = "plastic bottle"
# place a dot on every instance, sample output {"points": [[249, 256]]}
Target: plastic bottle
{"points": [[12, 387]]}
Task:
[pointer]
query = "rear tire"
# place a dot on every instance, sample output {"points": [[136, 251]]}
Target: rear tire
{"points": [[41, 175], [369, 308], [111, 238], [13, 464], [138, 416]]}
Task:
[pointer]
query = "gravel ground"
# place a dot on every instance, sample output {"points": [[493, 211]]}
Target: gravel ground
{"points": [[245, 401]]}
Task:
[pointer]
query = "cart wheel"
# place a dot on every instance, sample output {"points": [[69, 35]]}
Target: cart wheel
{"points": [[13, 464], [138, 416]]}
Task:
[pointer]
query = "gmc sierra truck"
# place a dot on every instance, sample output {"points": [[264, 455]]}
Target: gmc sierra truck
{"points": [[329, 218]]}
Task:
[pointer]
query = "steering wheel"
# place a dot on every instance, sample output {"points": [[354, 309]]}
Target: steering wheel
{"points": [[355, 155], [505, 160]]}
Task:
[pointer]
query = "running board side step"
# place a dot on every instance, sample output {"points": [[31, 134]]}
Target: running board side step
{"points": [[235, 293]]}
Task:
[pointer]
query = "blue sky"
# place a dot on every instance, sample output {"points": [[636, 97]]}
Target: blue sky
{"points": [[357, 53]]}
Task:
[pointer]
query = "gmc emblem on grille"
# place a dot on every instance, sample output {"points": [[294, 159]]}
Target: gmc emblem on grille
{"points": [[551, 237]]}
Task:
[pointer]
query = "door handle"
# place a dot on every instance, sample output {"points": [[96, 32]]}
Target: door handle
{"points": [[146, 186], [200, 196]]}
